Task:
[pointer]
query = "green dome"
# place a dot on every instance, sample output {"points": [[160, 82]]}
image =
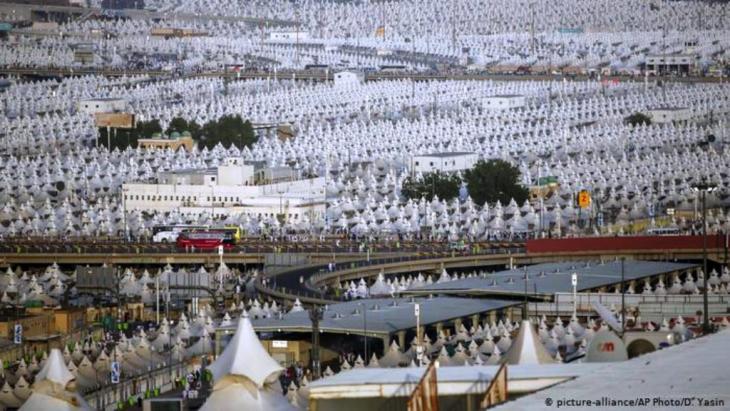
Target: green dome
{"points": [[186, 134], [174, 134], [156, 135]]}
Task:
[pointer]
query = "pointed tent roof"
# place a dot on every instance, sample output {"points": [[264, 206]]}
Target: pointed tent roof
{"points": [[244, 355], [55, 369], [526, 348]]}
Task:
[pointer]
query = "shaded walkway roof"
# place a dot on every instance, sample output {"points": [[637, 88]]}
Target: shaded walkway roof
{"points": [[552, 278], [384, 315]]}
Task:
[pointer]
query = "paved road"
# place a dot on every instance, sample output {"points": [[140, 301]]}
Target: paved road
{"points": [[305, 75], [10, 246]]}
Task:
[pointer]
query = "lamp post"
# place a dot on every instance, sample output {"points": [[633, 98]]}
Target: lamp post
{"points": [[623, 298], [703, 188], [364, 329], [315, 315], [524, 307]]}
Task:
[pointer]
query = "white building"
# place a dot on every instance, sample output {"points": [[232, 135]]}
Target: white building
{"points": [[289, 35], [504, 101], [443, 162], [660, 64], [225, 190], [102, 105], [348, 78], [669, 114]]}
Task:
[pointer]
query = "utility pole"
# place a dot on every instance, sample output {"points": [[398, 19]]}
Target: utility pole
{"points": [[623, 298], [315, 315], [524, 307]]}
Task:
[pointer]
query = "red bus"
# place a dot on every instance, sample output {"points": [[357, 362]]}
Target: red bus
{"points": [[206, 240]]}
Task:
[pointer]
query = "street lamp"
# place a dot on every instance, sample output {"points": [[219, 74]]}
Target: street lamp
{"points": [[704, 187], [315, 315], [364, 329]]}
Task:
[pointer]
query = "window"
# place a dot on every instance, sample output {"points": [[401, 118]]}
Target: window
{"points": [[416, 162]]}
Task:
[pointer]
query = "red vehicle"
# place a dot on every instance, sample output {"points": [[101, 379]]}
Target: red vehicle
{"points": [[206, 240]]}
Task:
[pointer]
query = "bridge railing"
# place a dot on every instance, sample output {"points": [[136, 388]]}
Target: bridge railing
{"points": [[316, 274]]}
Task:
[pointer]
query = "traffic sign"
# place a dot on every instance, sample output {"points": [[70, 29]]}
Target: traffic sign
{"points": [[220, 250], [584, 199], [115, 372], [574, 279], [417, 309], [18, 335], [600, 219]]}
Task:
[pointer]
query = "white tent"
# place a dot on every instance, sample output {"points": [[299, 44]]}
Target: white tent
{"points": [[54, 389], [527, 348], [245, 376]]}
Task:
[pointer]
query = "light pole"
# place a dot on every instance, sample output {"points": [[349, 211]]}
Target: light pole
{"points": [[124, 214], [364, 329], [315, 315], [704, 187], [623, 298], [524, 307]]}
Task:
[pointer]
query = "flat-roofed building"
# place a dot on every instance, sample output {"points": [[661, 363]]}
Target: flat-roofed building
{"points": [[669, 114], [174, 142], [443, 162], [102, 105], [504, 101], [228, 189], [661, 64]]}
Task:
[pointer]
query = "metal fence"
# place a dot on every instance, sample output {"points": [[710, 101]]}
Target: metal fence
{"points": [[108, 396]]}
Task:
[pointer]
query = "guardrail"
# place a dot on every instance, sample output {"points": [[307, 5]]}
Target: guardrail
{"points": [[107, 396], [313, 275]]}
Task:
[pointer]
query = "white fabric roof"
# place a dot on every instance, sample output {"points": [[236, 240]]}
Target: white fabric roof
{"points": [[527, 348], [696, 368], [245, 356], [55, 369], [43, 402], [241, 397]]}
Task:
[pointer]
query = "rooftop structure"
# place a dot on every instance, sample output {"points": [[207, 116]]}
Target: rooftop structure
{"points": [[703, 373], [230, 189], [385, 316], [443, 162], [544, 280]]}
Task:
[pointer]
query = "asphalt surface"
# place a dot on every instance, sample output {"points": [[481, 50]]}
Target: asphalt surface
{"points": [[119, 246], [309, 75]]}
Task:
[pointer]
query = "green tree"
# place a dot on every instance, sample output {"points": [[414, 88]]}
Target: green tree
{"points": [[494, 180], [445, 186], [179, 124], [123, 138], [637, 119], [228, 130]]}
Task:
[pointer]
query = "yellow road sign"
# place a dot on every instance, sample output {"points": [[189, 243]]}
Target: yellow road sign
{"points": [[584, 199]]}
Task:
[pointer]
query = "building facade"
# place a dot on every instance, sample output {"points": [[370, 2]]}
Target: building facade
{"points": [[229, 189], [669, 114], [504, 101], [102, 105], [290, 35], [661, 64], [443, 162], [348, 78]]}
